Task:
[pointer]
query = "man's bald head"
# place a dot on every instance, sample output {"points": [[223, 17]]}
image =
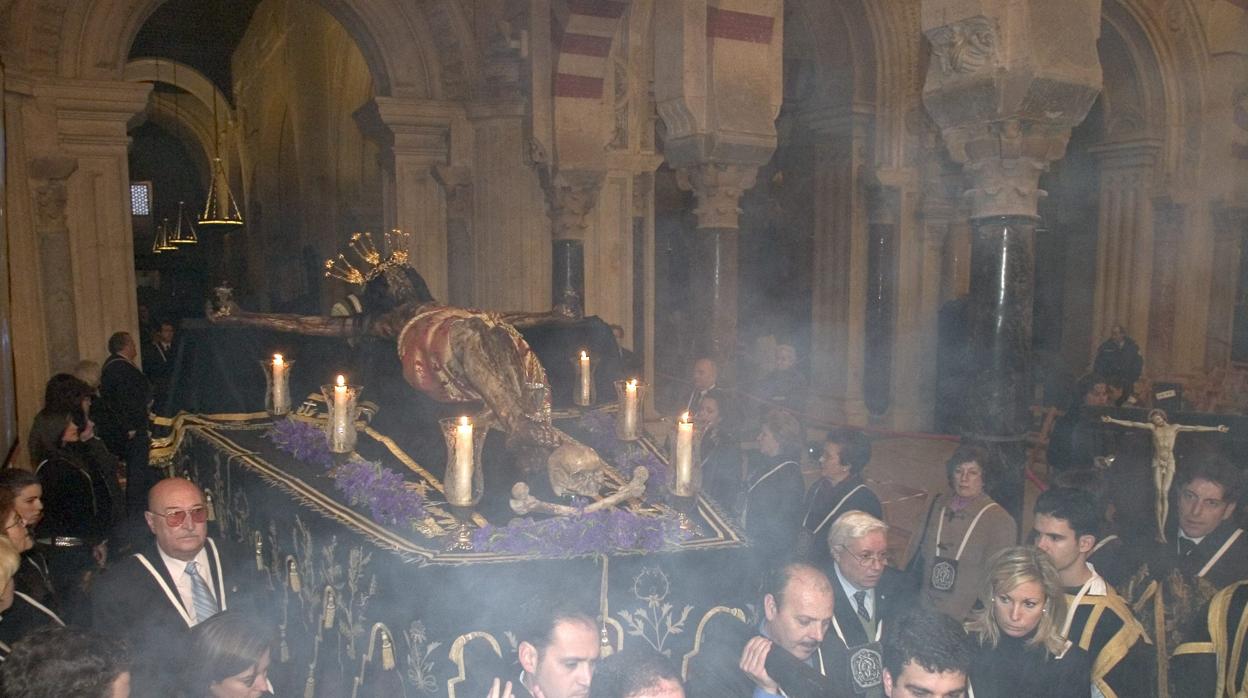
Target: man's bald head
{"points": [[170, 486], [173, 505]]}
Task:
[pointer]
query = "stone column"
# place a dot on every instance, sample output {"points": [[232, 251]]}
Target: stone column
{"points": [[68, 219], [717, 187], [1124, 247], [718, 92], [1006, 83], [573, 195], [416, 136], [838, 337], [457, 189]]}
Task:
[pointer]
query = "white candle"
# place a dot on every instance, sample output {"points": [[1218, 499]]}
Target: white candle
{"points": [[629, 408], [585, 376], [281, 388], [340, 410], [684, 457], [459, 491]]}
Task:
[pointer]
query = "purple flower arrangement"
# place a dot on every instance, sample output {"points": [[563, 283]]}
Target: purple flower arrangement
{"points": [[599, 532], [599, 430], [365, 483]]}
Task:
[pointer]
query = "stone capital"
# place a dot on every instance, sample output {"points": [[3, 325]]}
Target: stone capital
{"points": [[718, 188], [1006, 83], [422, 129], [573, 194], [91, 114]]}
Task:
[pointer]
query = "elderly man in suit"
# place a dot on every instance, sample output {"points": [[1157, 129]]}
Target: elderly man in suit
{"points": [[153, 598], [869, 594]]}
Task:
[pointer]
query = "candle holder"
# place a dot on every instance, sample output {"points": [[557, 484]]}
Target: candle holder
{"points": [[631, 395], [277, 386], [537, 402], [583, 388], [686, 514], [684, 473], [343, 401], [464, 481]]}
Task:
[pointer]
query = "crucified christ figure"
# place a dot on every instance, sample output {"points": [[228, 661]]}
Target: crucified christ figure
{"points": [[1164, 434], [451, 354]]}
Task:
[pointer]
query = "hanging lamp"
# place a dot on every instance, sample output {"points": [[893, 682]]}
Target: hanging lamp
{"points": [[220, 209], [161, 243], [184, 230]]}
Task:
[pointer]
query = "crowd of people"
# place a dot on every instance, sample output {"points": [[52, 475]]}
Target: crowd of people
{"points": [[111, 586]]}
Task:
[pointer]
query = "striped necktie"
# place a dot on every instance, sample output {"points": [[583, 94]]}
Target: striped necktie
{"points": [[201, 596], [861, 598]]}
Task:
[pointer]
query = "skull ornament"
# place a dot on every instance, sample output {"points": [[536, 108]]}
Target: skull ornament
{"points": [[575, 469]]}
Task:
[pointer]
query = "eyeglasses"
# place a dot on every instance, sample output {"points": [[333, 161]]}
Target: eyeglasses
{"points": [[176, 518], [870, 559]]}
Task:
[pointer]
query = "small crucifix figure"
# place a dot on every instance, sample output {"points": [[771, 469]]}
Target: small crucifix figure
{"points": [[1164, 434]]}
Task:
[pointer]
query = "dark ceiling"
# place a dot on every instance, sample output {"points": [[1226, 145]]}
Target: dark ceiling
{"points": [[200, 33]]}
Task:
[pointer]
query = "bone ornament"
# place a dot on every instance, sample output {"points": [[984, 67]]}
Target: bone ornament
{"points": [[523, 502], [575, 468]]}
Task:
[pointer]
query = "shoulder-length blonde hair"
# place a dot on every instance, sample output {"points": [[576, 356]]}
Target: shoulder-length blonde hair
{"points": [[1007, 569]]}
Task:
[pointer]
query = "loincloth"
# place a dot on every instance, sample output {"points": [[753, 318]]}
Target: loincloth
{"points": [[428, 357]]}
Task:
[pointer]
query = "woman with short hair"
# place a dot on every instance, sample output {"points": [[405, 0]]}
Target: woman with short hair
{"points": [[1022, 653], [773, 498], [840, 489], [230, 658], [963, 529]]}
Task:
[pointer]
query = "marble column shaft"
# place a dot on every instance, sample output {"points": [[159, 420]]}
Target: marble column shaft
{"points": [[998, 394]]}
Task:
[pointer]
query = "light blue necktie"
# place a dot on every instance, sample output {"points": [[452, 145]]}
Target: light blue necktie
{"points": [[201, 596]]}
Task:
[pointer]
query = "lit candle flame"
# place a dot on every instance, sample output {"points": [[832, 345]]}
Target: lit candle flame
{"points": [[632, 384], [684, 418], [277, 360], [584, 355], [463, 421], [342, 382]]}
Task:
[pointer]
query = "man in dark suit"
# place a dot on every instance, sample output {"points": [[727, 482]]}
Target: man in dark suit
{"points": [[153, 598], [125, 398], [1209, 544], [705, 373], [158, 361], [869, 593], [783, 655]]}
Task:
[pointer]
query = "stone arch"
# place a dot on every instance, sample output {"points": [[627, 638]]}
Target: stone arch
{"points": [[191, 117], [1166, 77], [397, 40]]}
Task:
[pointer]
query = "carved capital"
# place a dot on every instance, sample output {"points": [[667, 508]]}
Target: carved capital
{"points": [[1006, 83], [48, 174], [718, 188], [572, 197], [1004, 161]]}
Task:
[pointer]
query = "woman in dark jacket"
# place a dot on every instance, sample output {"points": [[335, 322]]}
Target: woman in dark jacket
{"points": [[773, 493], [722, 460], [33, 577], [1022, 653], [78, 507], [19, 612], [840, 489]]}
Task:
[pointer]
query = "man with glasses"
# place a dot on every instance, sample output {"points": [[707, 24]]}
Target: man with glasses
{"points": [[868, 595], [153, 598]]}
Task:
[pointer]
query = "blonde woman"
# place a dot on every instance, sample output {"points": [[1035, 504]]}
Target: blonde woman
{"points": [[1022, 653]]}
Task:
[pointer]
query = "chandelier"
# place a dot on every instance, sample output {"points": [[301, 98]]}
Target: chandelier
{"points": [[161, 243], [183, 232], [220, 209]]}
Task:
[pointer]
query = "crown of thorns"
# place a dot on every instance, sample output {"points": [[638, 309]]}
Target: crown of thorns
{"points": [[371, 261]]}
